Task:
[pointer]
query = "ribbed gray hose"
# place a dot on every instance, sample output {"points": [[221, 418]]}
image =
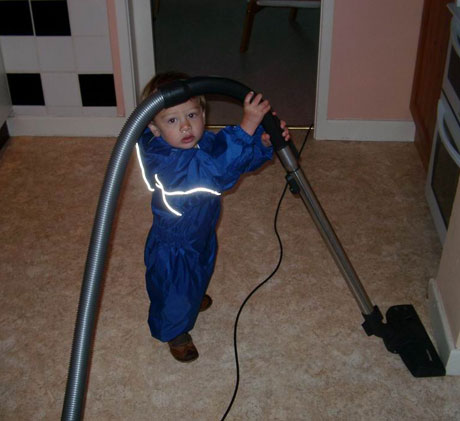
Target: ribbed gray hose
{"points": [[174, 94], [90, 292]]}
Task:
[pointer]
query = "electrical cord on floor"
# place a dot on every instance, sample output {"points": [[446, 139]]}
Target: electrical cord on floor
{"points": [[235, 328]]}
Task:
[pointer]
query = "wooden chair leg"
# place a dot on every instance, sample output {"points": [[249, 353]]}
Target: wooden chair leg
{"points": [[251, 10], [293, 14], [156, 8]]}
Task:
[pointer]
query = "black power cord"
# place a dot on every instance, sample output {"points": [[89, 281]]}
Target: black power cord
{"points": [[235, 328]]}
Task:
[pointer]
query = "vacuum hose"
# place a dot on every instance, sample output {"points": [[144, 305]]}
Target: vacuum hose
{"points": [[175, 93], [403, 333]]}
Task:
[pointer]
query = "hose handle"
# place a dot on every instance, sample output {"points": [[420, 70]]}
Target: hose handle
{"points": [[180, 91]]}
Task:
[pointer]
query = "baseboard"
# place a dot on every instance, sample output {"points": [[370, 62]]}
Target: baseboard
{"points": [[111, 126], [385, 130], [450, 355], [65, 126]]}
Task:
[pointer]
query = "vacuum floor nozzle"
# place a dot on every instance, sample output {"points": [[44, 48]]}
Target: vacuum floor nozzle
{"points": [[408, 338], [404, 334]]}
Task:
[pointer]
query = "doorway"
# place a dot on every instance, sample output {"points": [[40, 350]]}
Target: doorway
{"points": [[202, 38]]}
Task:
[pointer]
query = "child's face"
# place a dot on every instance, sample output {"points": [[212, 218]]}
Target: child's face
{"points": [[182, 125]]}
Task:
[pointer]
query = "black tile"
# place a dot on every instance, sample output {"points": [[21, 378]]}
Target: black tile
{"points": [[51, 18], [15, 18], [97, 90], [25, 88]]}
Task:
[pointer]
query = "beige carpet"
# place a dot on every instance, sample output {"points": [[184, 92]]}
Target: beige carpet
{"points": [[303, 353]]}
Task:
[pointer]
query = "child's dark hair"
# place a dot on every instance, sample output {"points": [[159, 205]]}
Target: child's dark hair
{"points": [[162, 79]]}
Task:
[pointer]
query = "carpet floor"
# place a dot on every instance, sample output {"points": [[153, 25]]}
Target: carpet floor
{"points": [[303, 354]]}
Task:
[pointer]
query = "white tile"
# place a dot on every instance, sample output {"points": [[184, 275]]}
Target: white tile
{"points": [[88, 17], [29, 110], [93, 54], [61, 89], [56, 54], [19, 54], [100, 111]]}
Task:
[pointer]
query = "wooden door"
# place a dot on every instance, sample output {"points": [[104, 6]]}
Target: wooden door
{"points": [[429, 69]]}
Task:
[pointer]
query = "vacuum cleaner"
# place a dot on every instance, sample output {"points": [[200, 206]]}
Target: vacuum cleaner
{"points": [[403, 332]]}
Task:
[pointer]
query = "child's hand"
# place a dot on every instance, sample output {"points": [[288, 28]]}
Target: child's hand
{"points": [[266, 137], [254, 110]]}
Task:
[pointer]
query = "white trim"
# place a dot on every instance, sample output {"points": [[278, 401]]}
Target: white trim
{"points": [[66, 126], [126, 55], [381, 130], [142, 42], [377, 130], [165, 193], [144, 176], [450, 355], [324, 65]]}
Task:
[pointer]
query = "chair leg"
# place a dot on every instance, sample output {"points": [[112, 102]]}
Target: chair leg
{"points": [[293, 14], [156, 8], [251, 10]]}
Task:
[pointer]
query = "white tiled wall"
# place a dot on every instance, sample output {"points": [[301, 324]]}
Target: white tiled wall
{"points": [[59, 59], [88, 17]]}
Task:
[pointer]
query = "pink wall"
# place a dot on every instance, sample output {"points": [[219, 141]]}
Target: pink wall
{"points": [[374, 46]]}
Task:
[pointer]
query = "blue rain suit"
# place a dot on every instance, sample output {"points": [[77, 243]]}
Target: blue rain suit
{"points": [[180, 251]]}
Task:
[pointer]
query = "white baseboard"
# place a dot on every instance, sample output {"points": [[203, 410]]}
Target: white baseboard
{"points": [[449, 355], [111, 126], [395, 131], [65, 126]]}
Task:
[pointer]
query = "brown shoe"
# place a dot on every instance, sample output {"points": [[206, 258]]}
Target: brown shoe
{"points": [[205, 303], [183, 349]]}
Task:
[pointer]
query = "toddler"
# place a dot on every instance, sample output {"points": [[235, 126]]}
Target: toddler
{"points": [[188, 169]]}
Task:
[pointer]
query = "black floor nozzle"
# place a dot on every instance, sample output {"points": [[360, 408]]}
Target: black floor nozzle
{"points": [[404, 334]]}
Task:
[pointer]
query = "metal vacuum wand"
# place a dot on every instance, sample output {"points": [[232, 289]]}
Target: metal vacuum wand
{"points": [[300, 184], [403, 333]]}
